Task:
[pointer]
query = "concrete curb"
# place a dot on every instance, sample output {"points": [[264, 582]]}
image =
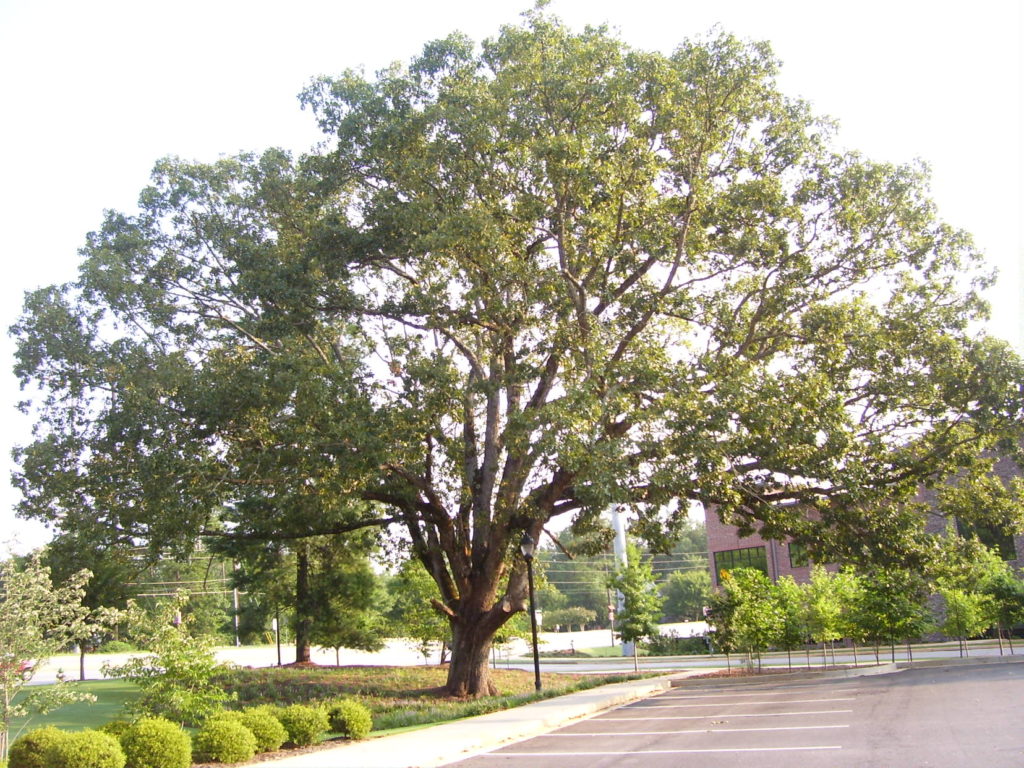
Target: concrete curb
{"points": [[823, 674], [449, 742], [964, 662]]}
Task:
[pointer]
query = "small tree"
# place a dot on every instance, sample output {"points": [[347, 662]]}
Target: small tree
{"points": [[720, 616], [825, 609], [792, 604], [890, 606], [37, 620], [968, 614], [1007, 593], [642, 604], [350, 602], [176, 680], [413, 614], [961, 576], [757, 621]]}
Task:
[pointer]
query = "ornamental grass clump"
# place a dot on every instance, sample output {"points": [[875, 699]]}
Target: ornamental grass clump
{"points": [[86, 749], [350, 718], [155, 742], [224, 740], [304, 724]]}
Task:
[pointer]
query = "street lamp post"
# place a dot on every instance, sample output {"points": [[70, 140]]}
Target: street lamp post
{"points": [[527, 546]]}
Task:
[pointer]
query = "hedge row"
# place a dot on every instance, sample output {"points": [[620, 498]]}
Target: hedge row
{"points": [[153, 742]]}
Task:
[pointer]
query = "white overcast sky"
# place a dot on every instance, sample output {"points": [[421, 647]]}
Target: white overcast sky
{"points": [[92, 92]]}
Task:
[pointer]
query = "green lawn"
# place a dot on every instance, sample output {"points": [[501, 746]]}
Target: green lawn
{"points": [[398, 697], [111, 696]]}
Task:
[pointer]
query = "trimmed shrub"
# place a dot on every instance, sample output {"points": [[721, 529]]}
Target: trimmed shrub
{"points": [[31, 750], [267, 729], [303, 724], [155, 742], [350, 718], [87, 749], [115, 728], [224, 740]]}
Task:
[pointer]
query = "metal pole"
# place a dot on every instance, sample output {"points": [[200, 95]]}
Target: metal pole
{"points": [[277, 632], [621, 561], [533, 624]]}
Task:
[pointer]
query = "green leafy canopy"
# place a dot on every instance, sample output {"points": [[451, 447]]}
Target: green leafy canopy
{"points": [[523, 280]]}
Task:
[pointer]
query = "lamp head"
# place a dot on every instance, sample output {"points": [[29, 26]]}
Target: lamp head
{"points": [[527, 546]]}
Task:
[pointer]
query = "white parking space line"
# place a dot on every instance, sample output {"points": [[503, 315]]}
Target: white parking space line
{"points": [[694, 731], [764, 714], [741, 703], [738, 694], [664, 751]]}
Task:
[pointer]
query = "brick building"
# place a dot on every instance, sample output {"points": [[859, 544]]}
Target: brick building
{"points": [[727, 550]]}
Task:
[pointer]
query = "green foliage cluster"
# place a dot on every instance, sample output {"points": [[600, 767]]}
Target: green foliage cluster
{"points": [[155, 742], [412, 614], [671, 644], [350, 718], [177, 679], [979, 590], [686, 594], [116, 646], [39, 618], [224, 740], [886, 605], [567, 618], [86, 749], [642, 603], [751, 614], [304, 724]]}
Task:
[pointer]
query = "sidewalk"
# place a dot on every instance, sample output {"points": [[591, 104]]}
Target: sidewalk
{"points": [[449, 742]]}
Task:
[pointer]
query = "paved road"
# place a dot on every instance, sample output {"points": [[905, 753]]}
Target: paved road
{"points": [[940, 717]]}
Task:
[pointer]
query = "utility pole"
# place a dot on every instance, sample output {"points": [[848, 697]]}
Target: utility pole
{"points": [[621, 561]]}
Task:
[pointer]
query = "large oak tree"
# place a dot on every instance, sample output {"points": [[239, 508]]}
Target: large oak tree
{"points": [[520, 281]]}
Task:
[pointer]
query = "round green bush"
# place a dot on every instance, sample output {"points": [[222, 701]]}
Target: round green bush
{"points": [[351, 719], [87, 749], [224, 740], [303, 724], [267, 729], [154, 742], [31, 750]]}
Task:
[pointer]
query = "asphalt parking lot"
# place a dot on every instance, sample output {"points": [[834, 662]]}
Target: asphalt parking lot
{"points": [[941, 717]]}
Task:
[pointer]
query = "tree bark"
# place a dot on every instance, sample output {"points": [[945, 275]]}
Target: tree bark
{"points": [[303, 608], [469, 674]]}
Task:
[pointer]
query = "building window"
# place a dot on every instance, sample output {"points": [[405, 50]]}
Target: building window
{"points": [[748, 557], [995, 539], [798, 557]]}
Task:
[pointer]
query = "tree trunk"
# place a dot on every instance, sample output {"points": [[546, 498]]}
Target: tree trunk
{"points": [[303, 607], [469, 674], [81, 660]]}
